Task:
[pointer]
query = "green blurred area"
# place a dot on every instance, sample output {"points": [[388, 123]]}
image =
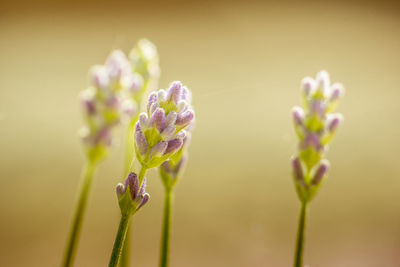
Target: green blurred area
{"points": [[244, 61]]}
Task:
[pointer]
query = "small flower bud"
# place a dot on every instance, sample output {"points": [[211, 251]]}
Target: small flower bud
{"points": [[297, 170], [308, 85], [133, 199], [333, 121], [298, 115], [320, 173], [337, 91]]}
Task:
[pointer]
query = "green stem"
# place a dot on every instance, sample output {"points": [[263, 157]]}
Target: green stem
{"points": [[70, 250], [166, 228], [119, 241], [298, 261]]}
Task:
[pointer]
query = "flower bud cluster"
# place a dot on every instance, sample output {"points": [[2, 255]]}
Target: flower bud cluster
{"points": [[315, 125], [131, 195], [106, 102], [160, 132]]}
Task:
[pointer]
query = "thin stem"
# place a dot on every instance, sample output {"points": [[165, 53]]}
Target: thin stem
{"points": [[119, 241], [72, 243], [298, 260], [166, 229]]}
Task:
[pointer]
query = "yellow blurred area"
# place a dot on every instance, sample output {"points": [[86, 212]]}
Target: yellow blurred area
{"points": [[236, 205]]}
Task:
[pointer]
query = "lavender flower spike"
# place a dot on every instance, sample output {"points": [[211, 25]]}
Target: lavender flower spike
{"points": [[131, 197], [160, 132], [106, 103], [315, 125]]}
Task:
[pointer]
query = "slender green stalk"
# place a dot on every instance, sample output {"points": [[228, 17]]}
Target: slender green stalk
{"points": [[298, 259], [119, 241], [70, 249], [129, 154], [164, 254]]}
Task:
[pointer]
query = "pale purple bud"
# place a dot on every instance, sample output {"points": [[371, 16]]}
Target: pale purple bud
{"points": [[104, 137], [308, 85], [88, 100], [297, 169], [145, 199], [120, 190], [99, 76], [181, 135], [298, 115], [185, 118], [143, 121], [173, 146], [168, 133], [153, 98], [162, 95], [140, 139], [333, 121], [174, 92], [171, 118], [157, 119], [133, 182], [113, 102], [182, 106], [142, 189], [132, 82], [337, 91], [320, 173], [153, 107], [128, 107], [159, 149]]}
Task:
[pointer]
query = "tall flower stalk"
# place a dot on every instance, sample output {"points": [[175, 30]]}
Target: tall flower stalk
{"points": [[315, 125], [159, 134], [105, 106], [131, 197], [144, 62], [170, 172]]}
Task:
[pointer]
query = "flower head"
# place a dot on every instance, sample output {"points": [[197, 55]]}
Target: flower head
{"points": [[131, 196], [160, 132], [315, 125], [105, 102]]}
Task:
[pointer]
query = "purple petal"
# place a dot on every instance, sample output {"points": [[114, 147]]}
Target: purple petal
{"points": [[168, 133], [152, 99], [174, 92], [143, 120], [334, 121], [157, 119], [337, 91], [308, 85], [173, 146], [159, 149], [145, 199], [140, 139], [171, 118], [298, 115], [185, 118], [297, 169], [320, 173], [133, 183]]}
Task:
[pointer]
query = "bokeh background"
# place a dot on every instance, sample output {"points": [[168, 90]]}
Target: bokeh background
{"points": [[244, 60]]}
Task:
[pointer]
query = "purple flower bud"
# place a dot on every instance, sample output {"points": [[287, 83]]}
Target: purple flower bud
{"points": [[308, 85], [186, 95], [168, 133], [185, 118], [333, 121], [298, 115], [337, 91], [173, 146], [88, 100], [171, 118], [143, 121], [159, 149], [133, 182], [120, 190], [153, 98], [157, 119], [320, 173], [162, 95], [145, 199], [140, 139], [297, 170], [118, 64], [174, 92], [104, 137]]}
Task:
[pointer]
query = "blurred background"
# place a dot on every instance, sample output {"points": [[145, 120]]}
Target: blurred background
{"points": [[244, 60]]}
